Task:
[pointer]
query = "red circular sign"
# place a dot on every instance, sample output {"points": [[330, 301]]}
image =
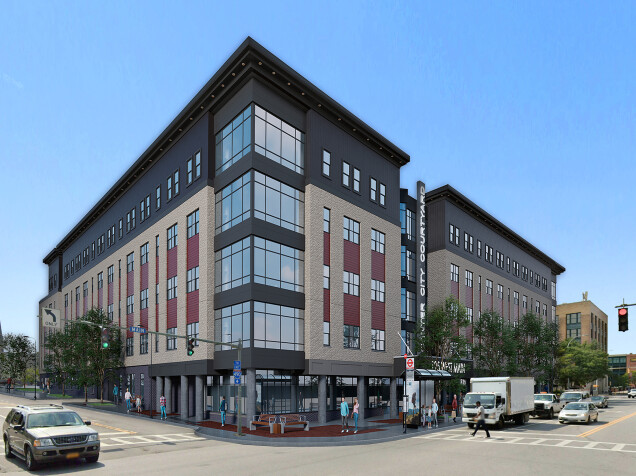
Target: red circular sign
{"points": [[410, 364]]}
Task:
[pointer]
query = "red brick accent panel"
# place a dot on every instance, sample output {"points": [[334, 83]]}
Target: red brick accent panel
{"points": [[377, 315], [111, 291], [172, 313], [130, 284], [143, 276], [377, 267], [326, 305], [100, 298], [192, 303], [172, 262], [455, 289], [469, 333], [85, 300], [326, 250], [119, 291], [468, 291], [492, 305], [154, 297], [192, 251], [130, 290], [143, 318], [351, 310], [130, 321], [351, 257]]}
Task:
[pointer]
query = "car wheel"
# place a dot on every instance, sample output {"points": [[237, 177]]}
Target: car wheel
{"points": [[596, 419], [29, 460], [500, 423], [7, 449], [92, 459], [562, 422], [551, 414]]}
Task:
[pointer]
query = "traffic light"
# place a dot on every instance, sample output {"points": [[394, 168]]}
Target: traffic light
{"points": [[190, 347], [622, 319], [105, 338]]}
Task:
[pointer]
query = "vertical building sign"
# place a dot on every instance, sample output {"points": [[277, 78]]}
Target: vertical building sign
{"points": [[421, 253]]}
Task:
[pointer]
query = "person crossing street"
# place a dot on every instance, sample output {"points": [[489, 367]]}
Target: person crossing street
{"points": [[481, 420]]}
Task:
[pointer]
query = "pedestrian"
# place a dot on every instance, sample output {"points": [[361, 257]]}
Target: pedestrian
{"points": [[344, 413], [355, 413], [115, 394], [138, 403], [162, 406], [434, 410], [480, 418], [454, 407], [127, 397], [429, 418], [223, 410]]}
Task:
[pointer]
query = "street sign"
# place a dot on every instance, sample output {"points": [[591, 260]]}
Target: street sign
{"points": [[50, 317], [237, 380], [141, 330], [410, 363], [237, 365], [237, 374]]}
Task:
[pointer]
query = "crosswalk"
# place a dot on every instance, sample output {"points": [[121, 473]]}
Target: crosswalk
{"points": [[531, 440], [109, 440]]}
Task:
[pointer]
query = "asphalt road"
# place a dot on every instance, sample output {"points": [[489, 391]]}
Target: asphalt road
{"points": [[132, 445]]}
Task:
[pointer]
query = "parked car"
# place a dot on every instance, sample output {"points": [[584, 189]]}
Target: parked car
{"points": [[579, 412], [546, 404], [600, 401], [42, 433], [631, 393], [572, 396]]}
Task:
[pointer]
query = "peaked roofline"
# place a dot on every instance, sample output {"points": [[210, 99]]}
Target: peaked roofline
{"points": [[249, 60]]}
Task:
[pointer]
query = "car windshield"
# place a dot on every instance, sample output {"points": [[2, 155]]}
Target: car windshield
{"points": [[487, 401], [571, 396], [597, 399], [543, 398], [45, 420], [576, 406]]}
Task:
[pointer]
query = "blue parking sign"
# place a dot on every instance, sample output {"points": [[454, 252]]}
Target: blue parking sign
{"points": [[237, 380], [237, 365], [237, 374]]}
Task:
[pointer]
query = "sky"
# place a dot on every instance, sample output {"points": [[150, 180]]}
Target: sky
{"points": [[527, 108]]}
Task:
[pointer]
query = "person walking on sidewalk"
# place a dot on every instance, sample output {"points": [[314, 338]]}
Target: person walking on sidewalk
{"points": [[481, 420], [344, 413], [434, 409], [223, 410], [355, 413], [127, 397], [454, 407], [138, 403], [115, 393], [162, 406]]}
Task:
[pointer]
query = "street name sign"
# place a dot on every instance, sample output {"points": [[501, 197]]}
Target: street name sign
{"points": [[141, 330]]}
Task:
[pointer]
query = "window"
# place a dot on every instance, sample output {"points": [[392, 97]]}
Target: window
{"points": [[524, 303], [326, 218], [356, 180], [479, 248], [346, 174], [573, 318], [454, 273], [515, 268], [172, 288], [67, 271], [377, 241], [499, 260], [85, 290], [232, 324], [553, 291], [408, 263], [130, 304], [325, 276], [531, 277], [407, 222], [351, 283], [100, 248], [121, 228], [234, 141], [373, 190], [545, 310], [169, 187], [488, 256], [100, 280], [143, 344], [377, 339], [537, 307], [382, 194], [469, 314], [109, 237], [110, 312], [351, 336], [172, 237], [111, 274], [278, 140], [192, 332], [171, 342], [128, 221], [544, 284], [278, 265], [143, 301], [192, 279], [130, 342], [325, 333], [377, 290], [453, 234], [157, 245], [193, 224], [278, 327], [499, 291], [466, 241], [408, 305], [189, 171], [197, 166], [470, 245], [515, 297], [489, 287], [158, 198], [142, 211], [326, 162], [233, 203], [85, 256], [508, 263], [278, 203], [351, 230], [143, 250], [469, 278], [157, 293], [130, 262], [232, 266]]}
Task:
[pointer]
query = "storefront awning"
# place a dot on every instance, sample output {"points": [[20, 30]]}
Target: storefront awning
{"points": [[430, 374]]}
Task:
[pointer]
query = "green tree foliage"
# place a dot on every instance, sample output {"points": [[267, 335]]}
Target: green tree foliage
{"points": [[619, 381], [494, 344], [18, 356], [60, 359], [579, 364]]}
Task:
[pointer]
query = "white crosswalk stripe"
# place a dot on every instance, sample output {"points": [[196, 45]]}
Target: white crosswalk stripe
{"points": [[111, 441]]}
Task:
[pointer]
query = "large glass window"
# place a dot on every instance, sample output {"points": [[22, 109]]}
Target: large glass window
{"points": [[408, 305], [408, 263], [232, 323], [278, 203], [351, 230], [278, 265], [143, 301], [326, 162], [279, 141], [377, 290], [193, 224], [377, 339], [233, 203], [172, 237], [278, 327], [407, 221], [377, 241], [351, 336], [232, 266], [143, 344], [192, 332], [143, 251], [233, 142], [171, 341], [351, 283], [192, 279], [172, 288]]}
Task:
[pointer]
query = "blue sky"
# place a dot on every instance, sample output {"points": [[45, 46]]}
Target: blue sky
{"points": [[528, 109]]}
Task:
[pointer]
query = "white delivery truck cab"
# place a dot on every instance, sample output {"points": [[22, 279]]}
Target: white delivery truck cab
{"points": [[503, 398]]}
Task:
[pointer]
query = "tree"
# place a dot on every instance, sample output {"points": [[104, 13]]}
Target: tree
{"points": [[60, 359], [619, 381], [494, 344], [579, 364], [18, 355]]}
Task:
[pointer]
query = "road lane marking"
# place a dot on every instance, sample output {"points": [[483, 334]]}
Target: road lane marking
{"points": [[114, 428], [564, 442], [150, 439], [618, 447], [539, 441], [606, 425]]}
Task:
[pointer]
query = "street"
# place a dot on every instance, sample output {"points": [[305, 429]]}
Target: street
{"points": [[141, 446]]}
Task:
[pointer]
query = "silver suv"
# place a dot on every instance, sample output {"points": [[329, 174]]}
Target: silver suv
{"points": [[42, 433]]}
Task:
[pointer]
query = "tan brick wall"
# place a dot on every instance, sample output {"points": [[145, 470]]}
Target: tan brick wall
{"points": [[587, 309], [315, 200]]}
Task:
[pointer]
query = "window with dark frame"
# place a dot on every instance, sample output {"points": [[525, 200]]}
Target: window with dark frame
{"points": [[382, 194], [189, 171], [373, 190], [193, 224], [197, 165], [158, 198], [326, 163], [356, 180], [346, 174], [172, 237]]}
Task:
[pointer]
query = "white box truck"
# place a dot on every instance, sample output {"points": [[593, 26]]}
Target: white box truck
{"points": [[503, 398]]}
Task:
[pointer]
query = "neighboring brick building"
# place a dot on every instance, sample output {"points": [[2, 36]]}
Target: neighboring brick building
{"points": [[584, 322]]}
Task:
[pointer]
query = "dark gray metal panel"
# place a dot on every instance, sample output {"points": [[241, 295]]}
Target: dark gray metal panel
{"points": [[257, 358], [259, 292], [348, 368], [254, 226], [437, 226], [193, 367], [323, 134]]}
